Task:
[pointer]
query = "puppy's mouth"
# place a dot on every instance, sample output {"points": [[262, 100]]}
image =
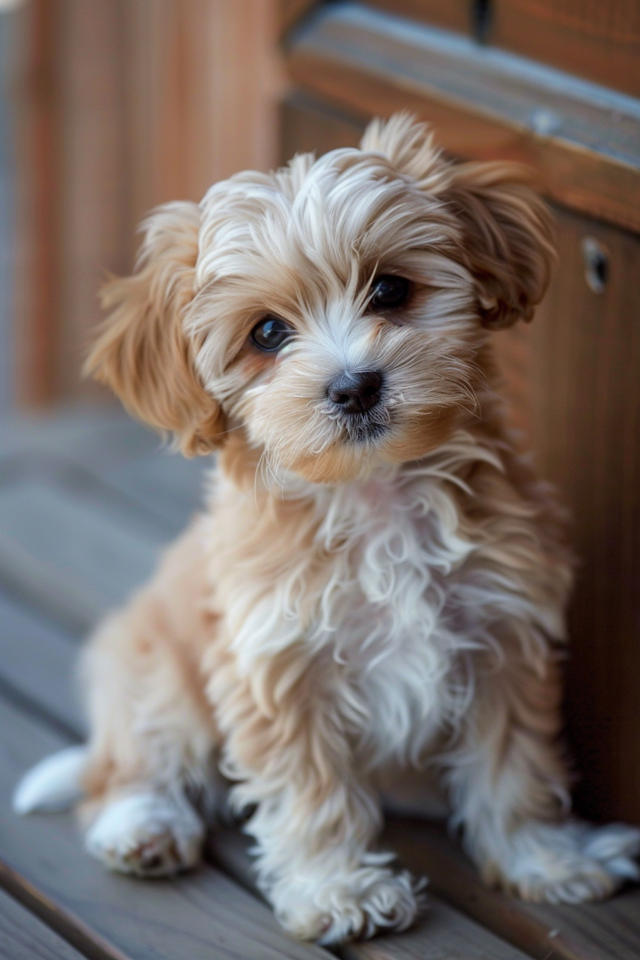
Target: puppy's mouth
{"points": [[366, 427], [363, 428]]}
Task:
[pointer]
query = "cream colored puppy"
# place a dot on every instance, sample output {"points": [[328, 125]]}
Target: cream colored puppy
{"points": [[378, 579]]}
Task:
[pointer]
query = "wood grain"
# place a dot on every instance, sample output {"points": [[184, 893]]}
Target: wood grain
{"points": [[482, 104], [78, 543], [292, 10], [39, 663], [125, 106], [38, 109], [24, 937], [575, 391], [311, 127], [442, 933], [453, 14], [600, 41], [597, 931], [93, 233], [201, 916], [585, 408]]}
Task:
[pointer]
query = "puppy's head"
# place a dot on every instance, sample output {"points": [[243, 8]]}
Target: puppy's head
{"points": [[331, 311]]}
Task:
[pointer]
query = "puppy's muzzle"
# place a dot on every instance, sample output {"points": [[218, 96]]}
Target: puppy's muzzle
{"points": [[354, 393]]}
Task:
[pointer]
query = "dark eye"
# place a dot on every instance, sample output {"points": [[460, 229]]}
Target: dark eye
{"points": [[270, 334], [388, 291]]}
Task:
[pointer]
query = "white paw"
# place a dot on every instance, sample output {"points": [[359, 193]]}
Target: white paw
{"points": [[571, 862], [147, 834], [349, 907]]}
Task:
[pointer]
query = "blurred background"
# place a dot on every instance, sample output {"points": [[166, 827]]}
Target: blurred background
{"points": [[110, 107]]}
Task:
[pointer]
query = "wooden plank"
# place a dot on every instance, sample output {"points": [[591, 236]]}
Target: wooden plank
{"points": [[24, 937], [452, 14], [584, 391], [148, 510], [201, 916], [583, 140], [575, 389], [442, 934], [93, 230], [99, 438], [84, 485], [600, 41], [38, 101], [79, 544], [309, 126], [291, 11], [38, 662], [598, 931], [127, 105], [169, 484]]}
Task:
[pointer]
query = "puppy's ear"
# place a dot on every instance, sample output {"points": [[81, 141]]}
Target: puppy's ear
{"points": [[408, 145], [506, 227], [507, 235], [142, 351]]}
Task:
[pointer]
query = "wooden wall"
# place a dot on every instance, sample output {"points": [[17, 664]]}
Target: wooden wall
{"points": [[595, 39], [124, 104]]}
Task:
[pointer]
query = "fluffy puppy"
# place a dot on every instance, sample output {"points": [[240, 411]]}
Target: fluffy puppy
{"points": [[378, 581]]}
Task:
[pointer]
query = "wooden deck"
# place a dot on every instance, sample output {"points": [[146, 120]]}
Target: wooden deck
{"points": [[86, 501]]}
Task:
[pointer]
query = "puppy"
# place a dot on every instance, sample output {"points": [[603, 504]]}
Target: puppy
{"points": [[378, 581]]}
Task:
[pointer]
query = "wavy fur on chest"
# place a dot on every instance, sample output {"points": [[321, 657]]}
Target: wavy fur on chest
{"points": [[388, 593]]}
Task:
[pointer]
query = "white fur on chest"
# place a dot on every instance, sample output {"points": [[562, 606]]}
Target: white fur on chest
{"points": [[385, 617], [389, 613]]}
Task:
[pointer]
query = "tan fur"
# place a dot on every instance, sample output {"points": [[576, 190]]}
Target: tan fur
{"points": [[142, 352], [344, 606]]}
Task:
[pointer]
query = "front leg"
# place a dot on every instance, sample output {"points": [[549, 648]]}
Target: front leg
{"points": [[510, 796], [315, 815]]}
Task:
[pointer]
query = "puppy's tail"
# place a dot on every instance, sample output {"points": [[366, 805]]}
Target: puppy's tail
{"points": [[52, 785]]}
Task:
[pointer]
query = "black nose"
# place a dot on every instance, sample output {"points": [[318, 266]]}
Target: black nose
{"points": [[356, 392]]}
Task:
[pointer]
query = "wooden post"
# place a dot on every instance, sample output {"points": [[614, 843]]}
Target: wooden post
{"points": [[126, 104]]}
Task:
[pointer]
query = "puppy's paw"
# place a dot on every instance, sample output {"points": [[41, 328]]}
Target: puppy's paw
{"points": [[147, 834], [351, 907], [572, 862]]}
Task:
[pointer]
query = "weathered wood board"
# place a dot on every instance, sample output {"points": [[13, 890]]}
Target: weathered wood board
{"points": [[24, 937], [201, 916]]}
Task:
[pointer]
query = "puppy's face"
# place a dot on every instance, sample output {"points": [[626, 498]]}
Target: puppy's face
{"points": [[335, 323], [333, 310]]}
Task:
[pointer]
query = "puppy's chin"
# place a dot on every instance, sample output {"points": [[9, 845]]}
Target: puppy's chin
{"points": [[348, 460], [339, 463], [424, 433]]}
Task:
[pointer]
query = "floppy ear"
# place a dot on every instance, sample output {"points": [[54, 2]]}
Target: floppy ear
{"points": [[506, 226], [141, 350], [507, 237]]}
